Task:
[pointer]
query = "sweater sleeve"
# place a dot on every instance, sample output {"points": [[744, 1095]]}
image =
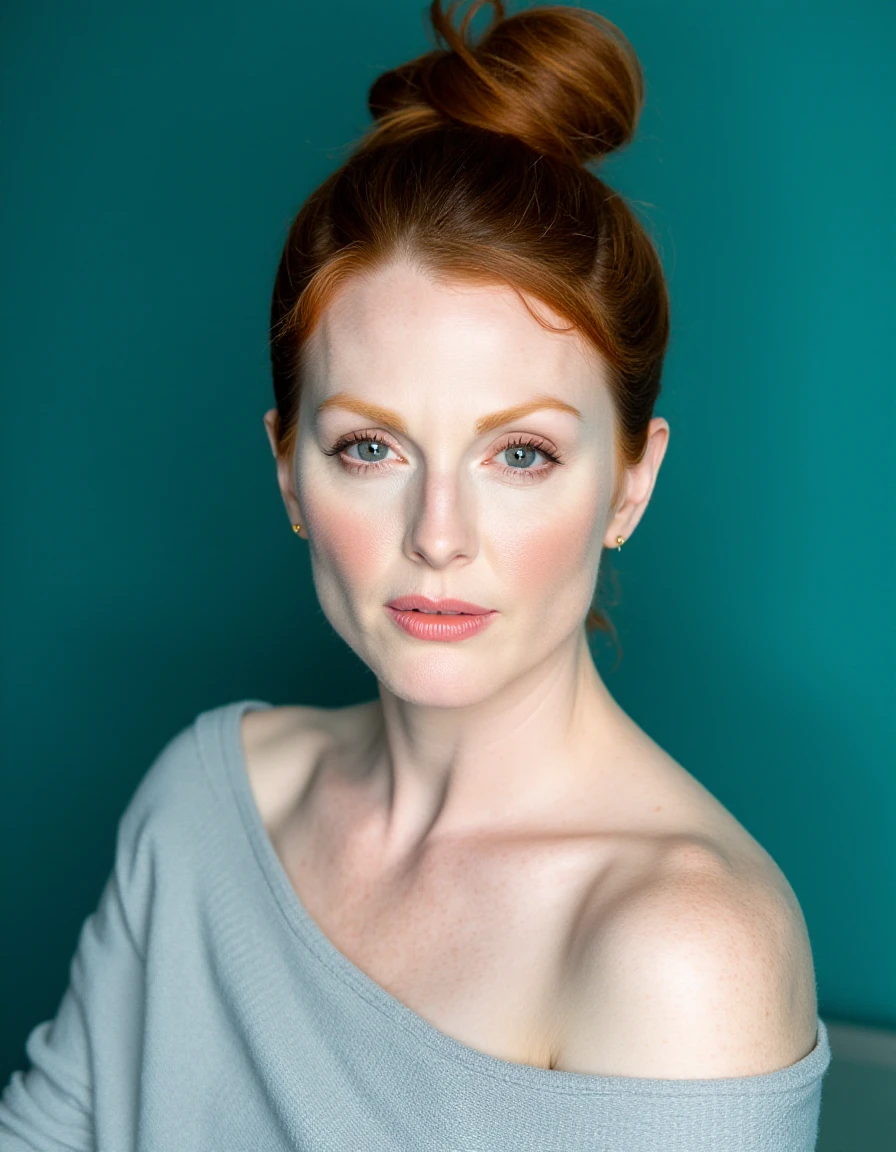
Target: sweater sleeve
{"points": [[96, 1037]]}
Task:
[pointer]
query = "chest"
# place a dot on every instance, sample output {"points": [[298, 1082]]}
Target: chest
{"points": [[476, 937], [477, 952]]}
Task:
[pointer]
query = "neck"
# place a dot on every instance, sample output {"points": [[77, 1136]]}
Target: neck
{"points": [[507, 762]]}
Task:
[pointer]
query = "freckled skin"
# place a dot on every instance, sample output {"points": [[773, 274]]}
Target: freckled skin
{"points": [[445, 514], [460, 822]]}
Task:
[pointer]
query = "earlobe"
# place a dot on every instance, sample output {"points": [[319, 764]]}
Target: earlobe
{"points": [[618, 541]]}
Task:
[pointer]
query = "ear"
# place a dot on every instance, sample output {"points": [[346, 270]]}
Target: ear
{"points": [[639, 482], [284, 477]]}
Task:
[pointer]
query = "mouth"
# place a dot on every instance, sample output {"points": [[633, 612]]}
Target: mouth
{"points": [[447, 607], [444, 624]]}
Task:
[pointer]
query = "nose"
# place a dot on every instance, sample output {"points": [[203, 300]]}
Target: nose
{"points": [[442, 521]]}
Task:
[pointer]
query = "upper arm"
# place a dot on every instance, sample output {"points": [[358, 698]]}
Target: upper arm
{"points": [[51, 1105], [698, 977]]}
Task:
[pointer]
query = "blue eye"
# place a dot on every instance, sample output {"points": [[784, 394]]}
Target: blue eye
{"points": [[519, 454], [376, 448], [372, 451], [522, 450]]}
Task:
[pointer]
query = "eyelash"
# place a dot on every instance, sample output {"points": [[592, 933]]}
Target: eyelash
{"points": [[519, 475]]}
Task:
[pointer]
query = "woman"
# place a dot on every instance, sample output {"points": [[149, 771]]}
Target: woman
{"points": [[484, 910]]}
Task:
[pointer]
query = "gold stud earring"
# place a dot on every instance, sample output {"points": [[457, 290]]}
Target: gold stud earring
{"points": [[620, 540], [297, 528]]}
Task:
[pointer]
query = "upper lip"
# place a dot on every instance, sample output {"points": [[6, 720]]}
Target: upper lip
{"points": [[407, 603]]}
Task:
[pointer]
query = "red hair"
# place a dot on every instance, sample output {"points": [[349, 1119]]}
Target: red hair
{"points": [[475, 170]]}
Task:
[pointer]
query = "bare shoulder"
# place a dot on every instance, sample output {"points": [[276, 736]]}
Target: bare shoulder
{"points": [[701, 971], [283, 745]]}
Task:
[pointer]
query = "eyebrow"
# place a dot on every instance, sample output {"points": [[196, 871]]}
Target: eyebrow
{"points": [[379, 415]]}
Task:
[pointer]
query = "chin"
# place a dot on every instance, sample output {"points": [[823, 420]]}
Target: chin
{"points": [[446, 678], [432, 690]]}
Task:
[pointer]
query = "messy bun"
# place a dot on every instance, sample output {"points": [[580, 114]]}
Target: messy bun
{"points": [[478, 167], [563, 80]]}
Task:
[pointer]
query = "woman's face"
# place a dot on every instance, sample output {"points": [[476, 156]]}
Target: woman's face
{"points": [[401, 370]]}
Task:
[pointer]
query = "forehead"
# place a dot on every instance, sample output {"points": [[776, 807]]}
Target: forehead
{"points": [[399, 326]]}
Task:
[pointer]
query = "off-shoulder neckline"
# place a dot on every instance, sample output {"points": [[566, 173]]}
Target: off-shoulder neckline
{"points": [[226, 722]]}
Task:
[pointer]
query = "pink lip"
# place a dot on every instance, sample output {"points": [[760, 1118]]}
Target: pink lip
{"points": [[426, 626], [409, 603]]}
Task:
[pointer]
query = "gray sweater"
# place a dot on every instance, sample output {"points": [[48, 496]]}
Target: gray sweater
{"points": [[207, 1012]]}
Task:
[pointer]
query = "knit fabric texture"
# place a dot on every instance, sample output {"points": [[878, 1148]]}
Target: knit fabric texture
{"points": [[207, 1012]]}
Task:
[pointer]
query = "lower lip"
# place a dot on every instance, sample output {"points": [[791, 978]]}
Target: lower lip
{"points": [[428, 626]]}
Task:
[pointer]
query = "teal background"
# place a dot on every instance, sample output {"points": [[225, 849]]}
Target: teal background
{"points": [[154, 155]]}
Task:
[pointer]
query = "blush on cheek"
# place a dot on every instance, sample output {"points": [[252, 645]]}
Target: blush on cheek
{"points": [[350, 544], [345, 537], [553, 564]]}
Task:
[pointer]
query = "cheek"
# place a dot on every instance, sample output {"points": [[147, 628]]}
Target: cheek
{"points": [[548, 555], [351, 545], [554, 556]]}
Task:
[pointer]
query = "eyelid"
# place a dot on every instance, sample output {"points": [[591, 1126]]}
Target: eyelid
{"points": [[506, 440], [350, 438], [541, 443], [553, 459]]}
